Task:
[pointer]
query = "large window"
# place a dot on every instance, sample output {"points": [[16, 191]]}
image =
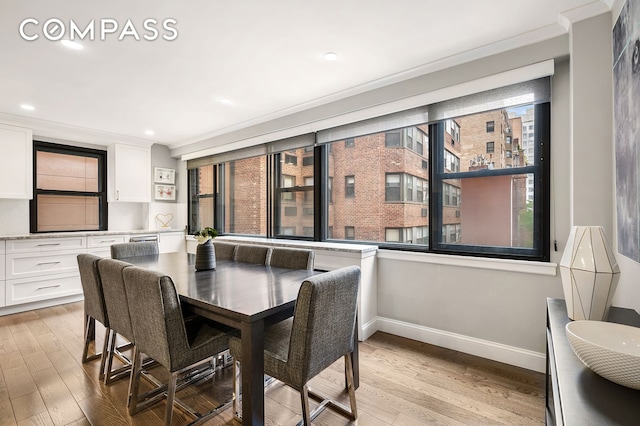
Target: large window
{"points": [[439, 183], [69, 189]]}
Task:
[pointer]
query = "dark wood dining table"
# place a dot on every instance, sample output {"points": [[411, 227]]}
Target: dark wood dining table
{"points": [[245, 296]]}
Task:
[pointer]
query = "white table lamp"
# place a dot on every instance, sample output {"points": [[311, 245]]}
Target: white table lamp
{"points": [[589, 273]]}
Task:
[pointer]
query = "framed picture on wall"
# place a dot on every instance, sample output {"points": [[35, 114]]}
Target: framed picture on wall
{"points": [[162, 175], [165, 192]]}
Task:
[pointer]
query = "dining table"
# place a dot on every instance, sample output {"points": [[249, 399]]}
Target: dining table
{"points": [[248, 297]]}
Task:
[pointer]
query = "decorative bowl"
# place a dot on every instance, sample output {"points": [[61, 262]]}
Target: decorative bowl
{"points": [[609, 349]]}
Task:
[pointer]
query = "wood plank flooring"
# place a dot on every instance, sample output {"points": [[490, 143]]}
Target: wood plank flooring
{"points": [[402, 383]]}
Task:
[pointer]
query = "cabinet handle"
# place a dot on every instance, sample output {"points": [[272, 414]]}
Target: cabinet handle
{"points": [[48, 286], [48, 244], [47, 263], [107, 241], [117, 194]]}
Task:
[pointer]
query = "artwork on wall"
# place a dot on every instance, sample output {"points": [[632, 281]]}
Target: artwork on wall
{"points": [[165, 192], [162, 175], [626, 81]]}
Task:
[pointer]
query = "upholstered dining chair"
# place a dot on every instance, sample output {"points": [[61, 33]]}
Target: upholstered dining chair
{"points": [[253, 253], [224, 250], [94, 307], [142, 248], [118, 311], [320, 332], [292, 258], [161, 331]]}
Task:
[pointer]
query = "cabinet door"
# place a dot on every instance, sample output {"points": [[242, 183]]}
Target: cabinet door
{"points": [[16, 162], [170, 242], [129, 173]]}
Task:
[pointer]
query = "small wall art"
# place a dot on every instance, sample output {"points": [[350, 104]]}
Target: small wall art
{"points": [[162, 175], [165, 192]]}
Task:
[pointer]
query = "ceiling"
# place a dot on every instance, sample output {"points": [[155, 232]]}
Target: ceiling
{"points": [[265, 58]]}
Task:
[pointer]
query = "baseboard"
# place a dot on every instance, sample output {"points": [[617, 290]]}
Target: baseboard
{"points": [[367, 330], [14, 309], [484, 348]]}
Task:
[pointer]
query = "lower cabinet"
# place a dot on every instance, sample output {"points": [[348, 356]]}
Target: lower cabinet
{"points": [[171, 242], [40, 269], [99, 245], [25, 290]]}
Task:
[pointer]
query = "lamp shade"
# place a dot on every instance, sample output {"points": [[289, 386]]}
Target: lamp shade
{"points": [[589, 273]]}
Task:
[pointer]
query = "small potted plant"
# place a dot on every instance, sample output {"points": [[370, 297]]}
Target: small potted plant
{"points": [[205, 234], [205, 252]]}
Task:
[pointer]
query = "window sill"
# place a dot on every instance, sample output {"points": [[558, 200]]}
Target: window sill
{"points": [[506, 265]]}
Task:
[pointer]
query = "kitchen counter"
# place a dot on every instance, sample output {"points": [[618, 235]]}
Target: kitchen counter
{"points": [[86, 234]]}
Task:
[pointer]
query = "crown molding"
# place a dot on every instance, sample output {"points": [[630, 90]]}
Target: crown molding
{"points": [[67, 132], [569, 17]]}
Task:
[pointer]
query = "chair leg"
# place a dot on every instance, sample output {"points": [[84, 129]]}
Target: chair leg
{"points": [[134, 381], [171, 393], [348, 366], [89, 336], [110, 354], [237, 389], [105, 351], [306, 408]]}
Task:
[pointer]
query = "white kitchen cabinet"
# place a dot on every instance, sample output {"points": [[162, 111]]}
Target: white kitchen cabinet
{"points": [[39, 269], [16, 162], [129, 169], [171, 242], [100, 245]]}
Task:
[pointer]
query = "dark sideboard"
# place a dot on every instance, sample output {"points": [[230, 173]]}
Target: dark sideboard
{"points": [[576, 395]]}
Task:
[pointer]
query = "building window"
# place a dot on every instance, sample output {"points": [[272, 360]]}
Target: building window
{"points": [[392, 139], [349, 233], [307, 231], [201, 183], [392, 187], [69, 192], [490, 147], [291, 211], [491, 126], [330, 189], [308, 211], [508, 153], [425, 164], [288, 181], [349, 186], [349, 143], [307, 161], [291, 159]]}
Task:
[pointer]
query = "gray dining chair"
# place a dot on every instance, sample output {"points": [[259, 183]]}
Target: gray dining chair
{"points": [[161, 331], [292, 258], [94, 307], [142, 248], [224, 250], [253, 253], [320, 332], [118, 310]]}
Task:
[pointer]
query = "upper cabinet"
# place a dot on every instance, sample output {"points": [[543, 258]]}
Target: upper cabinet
{"points": [[129, 173], [16, 162]]}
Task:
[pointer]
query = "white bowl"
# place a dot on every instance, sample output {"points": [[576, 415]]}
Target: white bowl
{"points": [[609, 349]]}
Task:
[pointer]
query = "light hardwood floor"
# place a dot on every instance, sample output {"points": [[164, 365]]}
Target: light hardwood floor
{"points": [[403, 382]]}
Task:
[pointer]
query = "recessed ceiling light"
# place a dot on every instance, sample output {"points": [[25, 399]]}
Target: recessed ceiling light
{"points": [[149, 132], [330, 56], [72, 44], [223, 100], [27, 107]]}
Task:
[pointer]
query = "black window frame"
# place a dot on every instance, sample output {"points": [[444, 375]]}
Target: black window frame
{"points": [[101, 194]]}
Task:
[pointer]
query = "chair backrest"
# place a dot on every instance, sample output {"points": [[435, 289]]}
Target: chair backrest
{"points": [[142, 248], [115, 296], [226, 251], [92, 288], [323, 322], [252, 253], [156, 316], [292, 258]]}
